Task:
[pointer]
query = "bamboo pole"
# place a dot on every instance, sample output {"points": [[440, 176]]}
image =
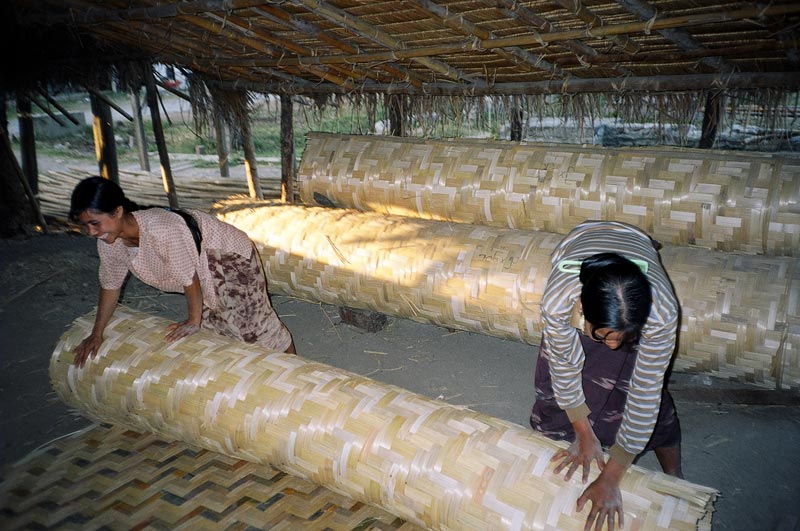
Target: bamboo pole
{"points": [[99, 95], [223, 143]]}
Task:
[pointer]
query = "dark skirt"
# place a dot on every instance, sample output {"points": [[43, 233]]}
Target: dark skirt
{"points": [[606, 376]]}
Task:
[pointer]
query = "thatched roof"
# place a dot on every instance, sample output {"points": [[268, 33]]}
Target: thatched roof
{"points": [[419, 47]]}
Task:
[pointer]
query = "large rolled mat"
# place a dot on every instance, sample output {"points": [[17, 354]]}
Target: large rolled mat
{"points": [[737, 309], [430, 463], [721, 200]]}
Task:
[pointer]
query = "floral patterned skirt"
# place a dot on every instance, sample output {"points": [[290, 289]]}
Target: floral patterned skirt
{"points": [[606, 377], [243, 309]]}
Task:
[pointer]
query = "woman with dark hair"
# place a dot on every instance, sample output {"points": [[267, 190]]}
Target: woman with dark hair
{"points": [[610, 319], [212, 262]]}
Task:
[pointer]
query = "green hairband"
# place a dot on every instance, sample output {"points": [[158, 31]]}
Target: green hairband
{"points": [[574, 266]]}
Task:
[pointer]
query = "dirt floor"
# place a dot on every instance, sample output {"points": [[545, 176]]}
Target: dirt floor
{"points": [[741, 441]]}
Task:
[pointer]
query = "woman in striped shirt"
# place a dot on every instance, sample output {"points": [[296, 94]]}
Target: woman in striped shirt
{"points": [[610, 319], [214, 264]]}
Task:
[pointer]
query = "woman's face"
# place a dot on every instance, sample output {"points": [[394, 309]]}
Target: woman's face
{"points": [[106, 227], [610, 338]]}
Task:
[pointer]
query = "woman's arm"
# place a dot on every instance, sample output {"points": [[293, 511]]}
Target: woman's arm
{"points": [[107, 303], [194, 301]]}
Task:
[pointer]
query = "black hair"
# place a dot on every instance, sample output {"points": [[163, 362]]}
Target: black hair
{"points": [[98, 194], [615, 294]]}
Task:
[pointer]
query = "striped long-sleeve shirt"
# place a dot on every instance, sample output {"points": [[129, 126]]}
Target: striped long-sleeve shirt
{"points": [[655, 347]]}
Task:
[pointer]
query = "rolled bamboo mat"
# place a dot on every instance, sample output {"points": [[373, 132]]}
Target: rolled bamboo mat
{"points": [[715, 199], [430, 463], [111, 477], [737, 309], [55, 189]]}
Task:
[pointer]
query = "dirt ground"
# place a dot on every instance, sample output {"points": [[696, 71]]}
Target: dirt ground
{"points": [[741, 441]]}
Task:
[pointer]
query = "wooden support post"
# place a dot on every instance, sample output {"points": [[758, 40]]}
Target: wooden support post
{"points": [[138, 129], [161, 144], [223, 144], [711, 120], [287, 149], [27, 142], [105, 147], [516, 120], [250, 165], [396, 108]]}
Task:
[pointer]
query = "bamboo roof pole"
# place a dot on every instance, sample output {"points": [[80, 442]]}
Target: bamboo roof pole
{"points": [[540, 38], [98, 15], [458, 22], [595, 21], [237, 34], [277, 14], [105, 146], [374, 34], [683, 39], [161, 143], [583, 52]]}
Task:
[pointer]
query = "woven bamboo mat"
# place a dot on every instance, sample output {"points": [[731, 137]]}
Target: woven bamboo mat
{"points": [[425, 461], [728, 201], [109, 477], [737, 308]]}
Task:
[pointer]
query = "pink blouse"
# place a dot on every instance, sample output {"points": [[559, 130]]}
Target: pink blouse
{"points": [[167, 257]]}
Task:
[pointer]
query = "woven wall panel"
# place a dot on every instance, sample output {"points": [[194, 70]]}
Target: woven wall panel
{"points": [[109, 477], [490, 280], [427, 462], [719, 200]]}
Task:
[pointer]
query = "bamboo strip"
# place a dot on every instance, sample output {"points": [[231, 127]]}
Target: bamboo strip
{"points": [[737, 309], [427, 462], [718, 200]]}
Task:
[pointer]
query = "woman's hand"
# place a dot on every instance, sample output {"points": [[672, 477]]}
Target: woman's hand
{"points": [[606, 499], [582, 452], [89, 347], [180, 330]]}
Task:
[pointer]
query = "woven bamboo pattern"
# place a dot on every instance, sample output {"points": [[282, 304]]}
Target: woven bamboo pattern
{"points": [[430, 463], [110, 477], [719, 200], [736, 307]]}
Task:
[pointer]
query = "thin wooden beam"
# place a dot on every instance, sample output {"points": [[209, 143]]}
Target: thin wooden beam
{"points": [[787, 80], [47, 111], [52, 101], [99, 95], [29, 193]]}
